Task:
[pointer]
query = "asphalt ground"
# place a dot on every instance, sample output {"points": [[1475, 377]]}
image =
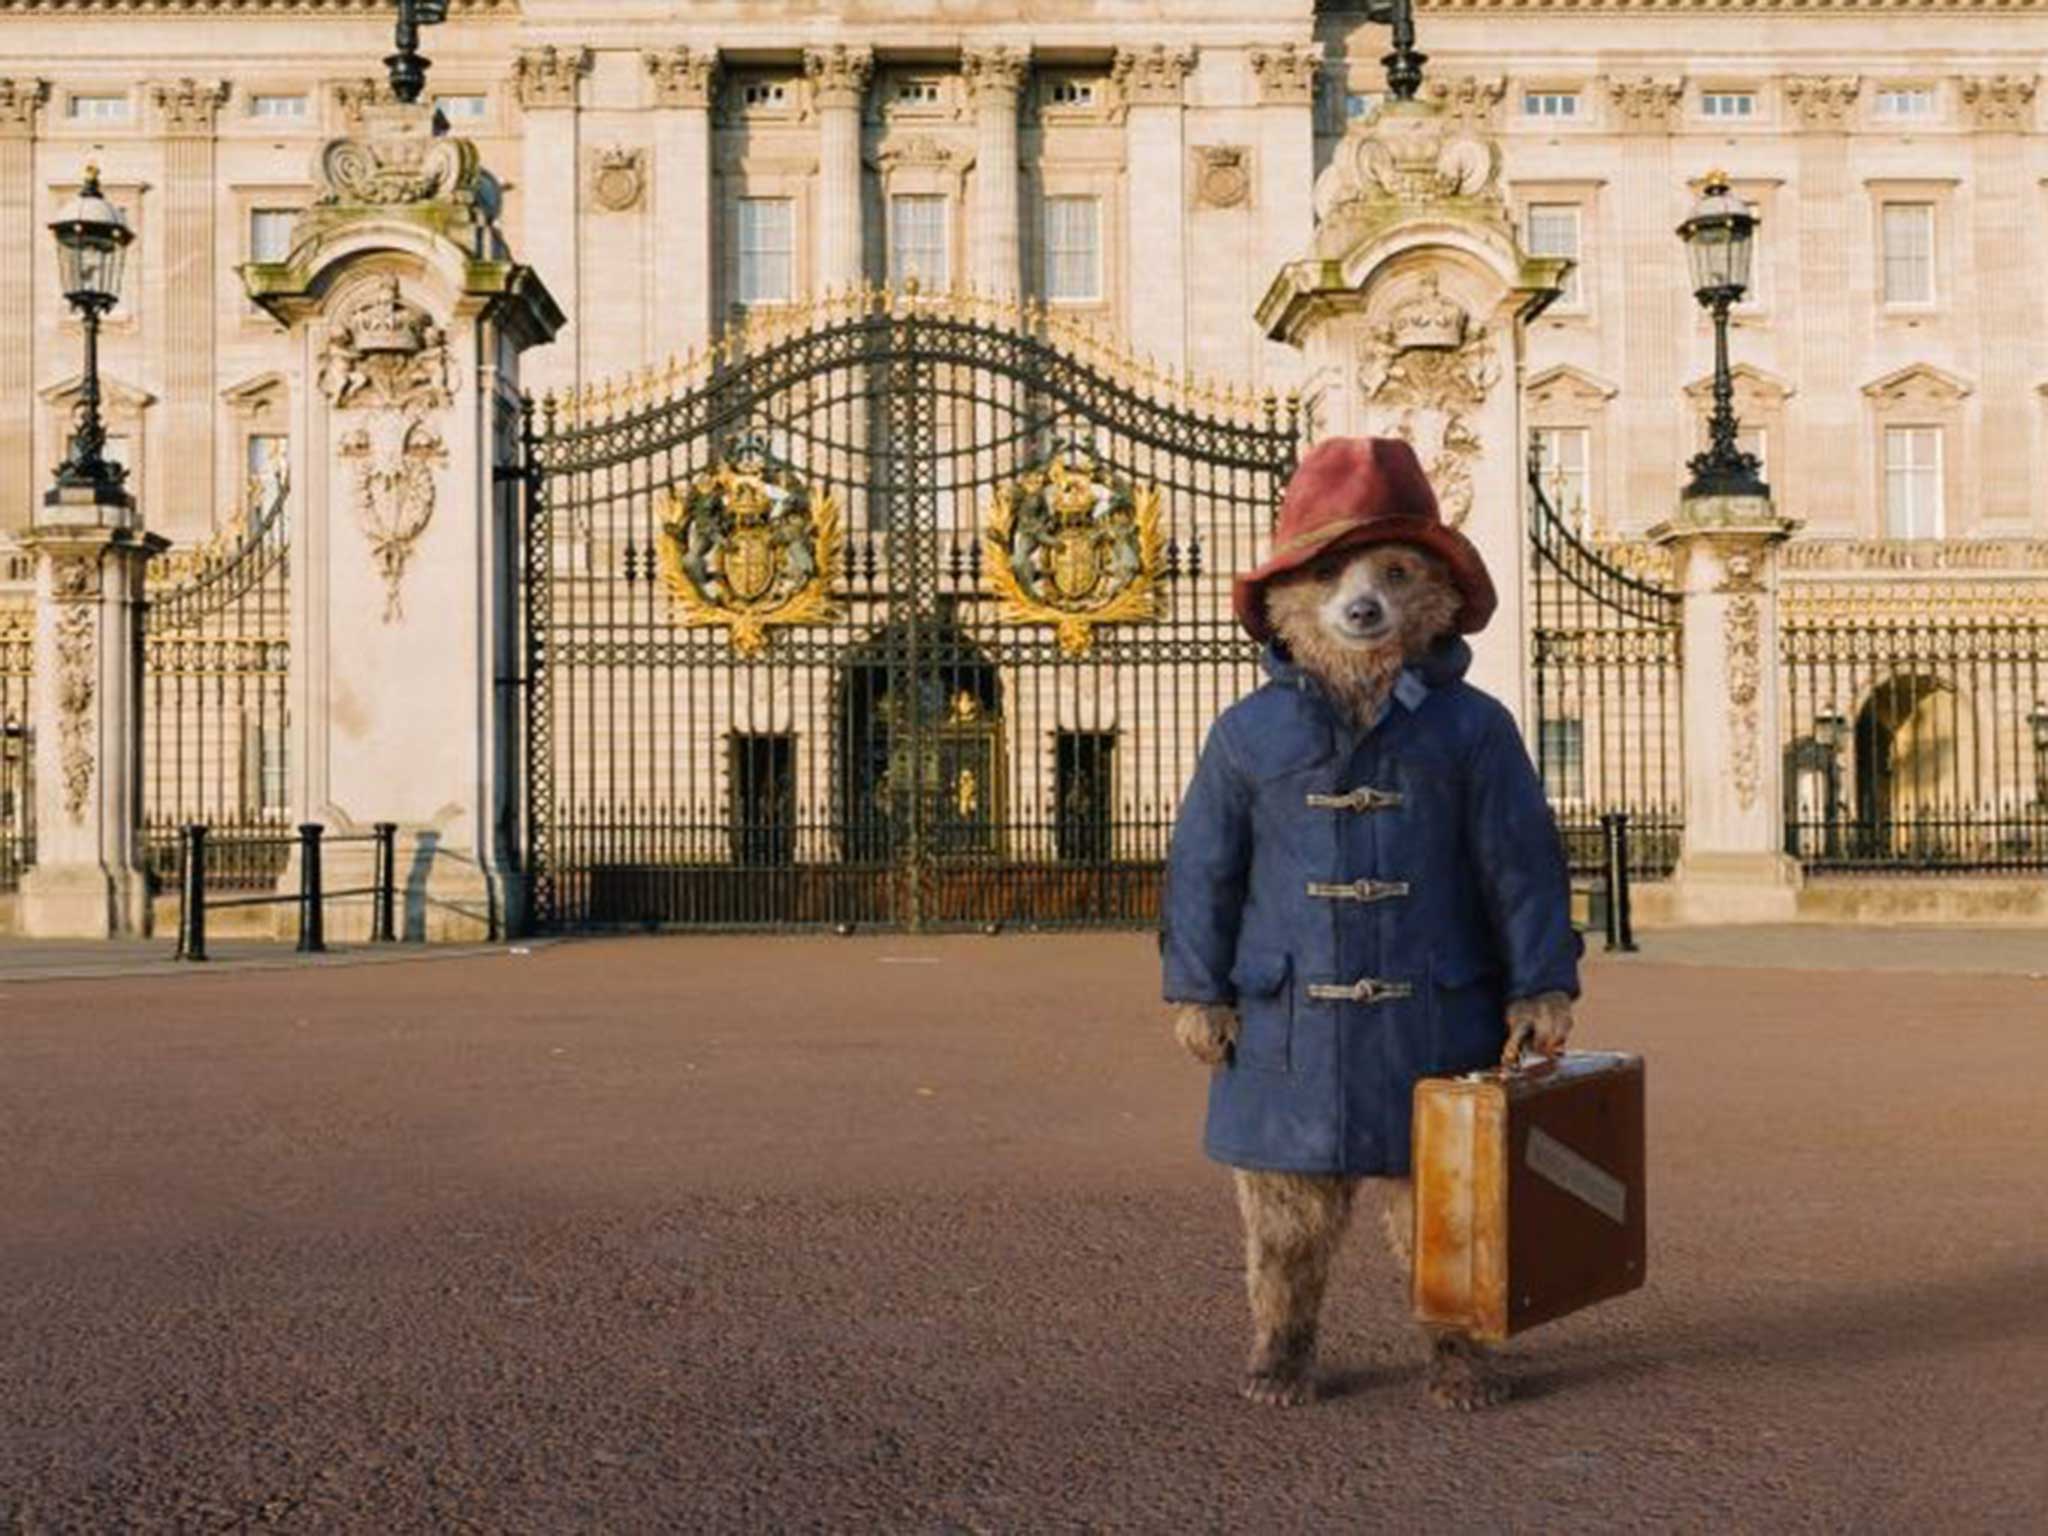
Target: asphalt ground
{"points": [[914, 1235]]}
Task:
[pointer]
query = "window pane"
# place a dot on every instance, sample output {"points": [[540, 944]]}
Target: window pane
{"points": [[1551, 104], [1908, 253], [1912, 482], [917, 242], [1554, 231], [1908, 101], [454, 107], [267, 470], [270, 233], [277, 106], [100, 108], [1567, 472], [1073, 248], [765, 247], [1728, 104]]}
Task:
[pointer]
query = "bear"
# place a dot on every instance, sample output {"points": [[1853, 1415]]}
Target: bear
{"points": [[1365, 806]]}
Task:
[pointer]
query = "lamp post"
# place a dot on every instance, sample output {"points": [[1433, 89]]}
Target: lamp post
{"points": [[408, 68], [1403, 64], [1717, 236], [92, 248]]}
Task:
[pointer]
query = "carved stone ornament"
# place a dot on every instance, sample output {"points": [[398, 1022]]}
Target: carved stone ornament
{"points": [[839, 75], [387, 359], [1470, 100], [1223, 175], [189, 108], [1823, 101], [682, 77], [995, 74], [747, 544], [1152, 77], [1742, 638], [1644, 104], [397, 162], [1399, 162], [2000, 104], [19, 102], [75, 583], [618, 176], [1426, 368], [1287, 74], [547, 77], [1071, 545]]}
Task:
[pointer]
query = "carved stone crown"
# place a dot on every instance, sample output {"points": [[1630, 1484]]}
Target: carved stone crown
{"points": [[1428, 319], [386, 323]]}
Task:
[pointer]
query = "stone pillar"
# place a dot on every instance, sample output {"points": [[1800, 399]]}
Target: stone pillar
{"points": [[86, 716], [684, 82], [1826, 307], [1411, 313], [1733, 867], [546, 81], [995, 79], [20, 100], [1284, 173], [409, 319], [2001, 109], [187, 112], [1657, 299], [1151, 82], [839, 78]]}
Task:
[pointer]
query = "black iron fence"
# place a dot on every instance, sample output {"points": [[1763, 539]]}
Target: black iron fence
{"points": [[1605, 651], [1915, 744], [196, 890]]}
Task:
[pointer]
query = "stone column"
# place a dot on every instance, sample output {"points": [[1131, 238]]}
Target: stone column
{"points": [[995, 80], [1733, 868], [1151, 82], [546, 81], [1656, 300], [839, 78], [1824, 310], [20, 100], [684, 82], [86, 716], [409, 319], [1284, 174], [187, 112], [2001, 109], [1411, 312]]}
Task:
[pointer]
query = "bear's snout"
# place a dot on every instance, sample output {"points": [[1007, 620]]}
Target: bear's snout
{"points": [[1365, 614]]}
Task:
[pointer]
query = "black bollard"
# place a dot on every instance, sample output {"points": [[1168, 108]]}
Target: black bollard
{"points": [[312, 930], [1620, 931], [384, 921], [192, 895]]}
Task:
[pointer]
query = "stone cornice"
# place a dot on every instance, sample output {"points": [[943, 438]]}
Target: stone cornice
{"points": [[839, 75], [2000, 103], [683, 77], [1822, 102], [996, 74], [188, 108], [547, 77], [1286, 74], [1644, 104], [262, 8], [1152, 77], [1470, 99], [1722, 7], [19, 102]]}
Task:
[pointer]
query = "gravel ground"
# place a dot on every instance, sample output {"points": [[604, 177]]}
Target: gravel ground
{"points": [[914, 1235]]}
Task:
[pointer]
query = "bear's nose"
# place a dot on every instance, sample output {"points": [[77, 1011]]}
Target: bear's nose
{"points": [[1364, 613]]}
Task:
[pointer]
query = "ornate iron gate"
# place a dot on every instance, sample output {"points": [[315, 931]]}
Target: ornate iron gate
{"points": [[1605, 646], [904, 610]]}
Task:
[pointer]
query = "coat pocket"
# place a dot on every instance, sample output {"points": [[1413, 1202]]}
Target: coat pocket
{"points": [[1265, 1011], [1468, 1025]]}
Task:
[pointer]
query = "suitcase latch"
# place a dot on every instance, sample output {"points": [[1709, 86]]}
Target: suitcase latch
{"points": [[1367, 989]]}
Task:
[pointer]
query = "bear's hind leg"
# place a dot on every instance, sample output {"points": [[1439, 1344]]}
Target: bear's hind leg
{"points": [[1461, 1373], [1292, 1225]]}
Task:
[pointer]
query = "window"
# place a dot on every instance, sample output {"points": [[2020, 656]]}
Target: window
{"points": [[1908, 237], [1728, 105], [917, 93], [1550, 104], [1912, 482], [1073, 249], [1905, 102], [1554, 231], [917, 242], [277, 106], [1067, 92], [267, 470], [99, 109], [766, 228], [1359, 104], [1564, 456], [118, 449], [764, 93], [1561, 754], [1084, 780], [461, 108], [1754, 441], [270, 233], [263, 766], [763, 798]]}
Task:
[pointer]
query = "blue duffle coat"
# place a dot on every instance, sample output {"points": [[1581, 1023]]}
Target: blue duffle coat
{"points": [[1368, 900]]}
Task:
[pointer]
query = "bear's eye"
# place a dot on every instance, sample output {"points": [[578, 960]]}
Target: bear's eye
{"points": [[1397, 573]]}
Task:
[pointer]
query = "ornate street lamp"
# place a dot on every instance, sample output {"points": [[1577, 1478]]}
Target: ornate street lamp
{"points": [[408, 68], [1717, 238], [1404, 64], [92, 247]]}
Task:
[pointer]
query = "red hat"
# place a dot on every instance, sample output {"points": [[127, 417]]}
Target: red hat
{"points": [[1352, 491]]}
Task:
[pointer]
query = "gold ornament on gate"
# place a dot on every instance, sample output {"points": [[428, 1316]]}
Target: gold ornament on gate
{"points": [[1071, 545], [747, 545]]}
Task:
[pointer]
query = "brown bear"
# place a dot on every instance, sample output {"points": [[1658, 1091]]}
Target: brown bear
{"points": [[1365, 809]]}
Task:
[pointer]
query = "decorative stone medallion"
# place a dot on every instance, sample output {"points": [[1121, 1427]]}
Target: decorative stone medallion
{"points": [[1223, 175], [617, 178]]}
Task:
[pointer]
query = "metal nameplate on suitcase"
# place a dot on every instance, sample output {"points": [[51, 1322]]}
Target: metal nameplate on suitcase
{"points": [[1529, 1192]]}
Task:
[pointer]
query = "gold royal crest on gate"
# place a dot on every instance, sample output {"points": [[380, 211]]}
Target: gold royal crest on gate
{"points": [[1073, 546], [747, 545]]}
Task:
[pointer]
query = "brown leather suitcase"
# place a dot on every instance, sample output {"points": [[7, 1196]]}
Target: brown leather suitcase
{"points": [[1528, 1192]]}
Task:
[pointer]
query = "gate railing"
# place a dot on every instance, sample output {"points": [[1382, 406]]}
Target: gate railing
{"points": [[1605, 653]]}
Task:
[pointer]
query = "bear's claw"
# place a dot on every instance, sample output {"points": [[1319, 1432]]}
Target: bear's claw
{"points": [[1462, 1376]]}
